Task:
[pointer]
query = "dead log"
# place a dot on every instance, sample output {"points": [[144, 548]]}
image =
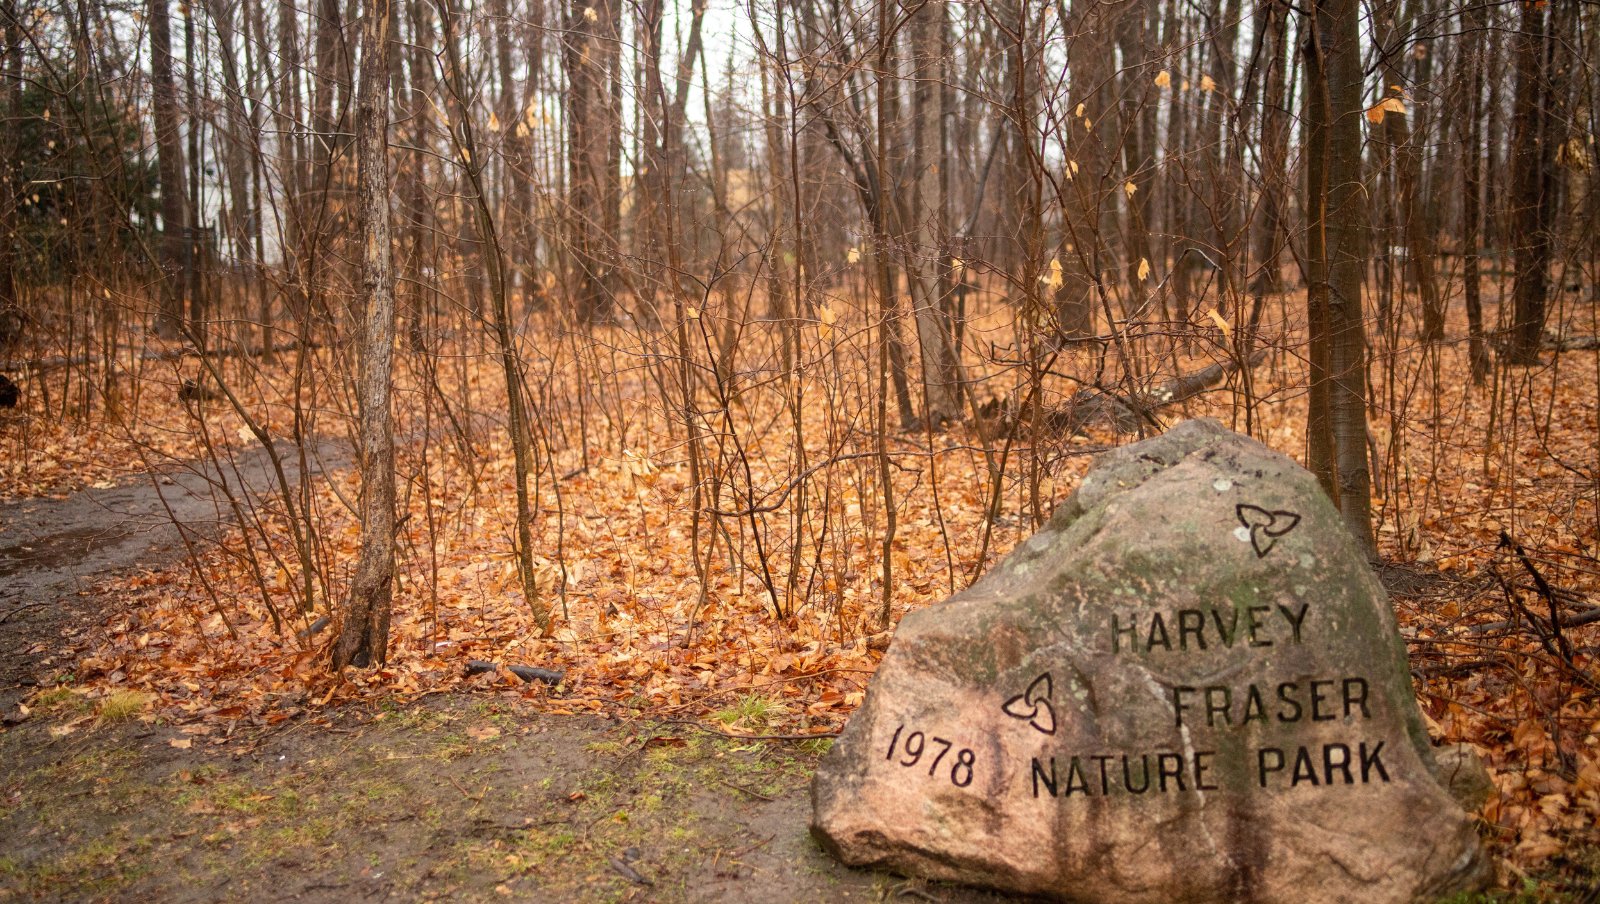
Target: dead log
{"points": [[53, 362], [1124, 413], [1572, 343]]}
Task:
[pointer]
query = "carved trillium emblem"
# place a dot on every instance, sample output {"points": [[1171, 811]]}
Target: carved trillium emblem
{"points": [[1033, 705], [1265, 527]]}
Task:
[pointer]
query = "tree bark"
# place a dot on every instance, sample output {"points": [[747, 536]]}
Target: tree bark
{"points": [[1274, 155], [1090, 166], [1532, 167], [11, 322], [170, 169], [925, 237], [364, 620], [1474, 23], [1336, 255], [593, 129], [1406, 148]]}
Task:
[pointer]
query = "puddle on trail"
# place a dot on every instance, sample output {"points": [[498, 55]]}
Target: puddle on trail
{"points": [[56, 550]]}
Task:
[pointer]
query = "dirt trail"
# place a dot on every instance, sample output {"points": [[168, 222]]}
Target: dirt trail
{"points": [[451, 798], [53, 551]]}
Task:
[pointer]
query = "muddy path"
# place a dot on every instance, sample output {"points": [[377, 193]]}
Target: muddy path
{"points": [[54, 551], [455, 797], [452, 798]]}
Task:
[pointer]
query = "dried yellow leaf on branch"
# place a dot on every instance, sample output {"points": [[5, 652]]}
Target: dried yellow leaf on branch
{"points": [[825, 321], [1388, 105], [1163, 79], [1053, 277], [1222, 324], [1572, 154]]}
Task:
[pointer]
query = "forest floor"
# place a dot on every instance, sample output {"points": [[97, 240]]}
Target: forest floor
{"points": [[171, 730], [449, 797]]}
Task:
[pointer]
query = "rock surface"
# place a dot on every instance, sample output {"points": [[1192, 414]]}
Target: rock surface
{"points": [[1187, 687]]}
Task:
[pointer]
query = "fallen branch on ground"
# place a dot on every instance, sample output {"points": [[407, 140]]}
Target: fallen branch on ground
{"points": [[53, 362], [1125, 413]]}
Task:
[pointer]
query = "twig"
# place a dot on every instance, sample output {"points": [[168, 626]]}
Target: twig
{"points": [[1454, 669], [742, 737], [753, 794], [23, 608], [165, 354], [1544, 591], [464, 792]]}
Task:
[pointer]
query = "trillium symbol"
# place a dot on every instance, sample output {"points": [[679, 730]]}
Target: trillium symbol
{"points": [[1265, 527], [1033, 704]]}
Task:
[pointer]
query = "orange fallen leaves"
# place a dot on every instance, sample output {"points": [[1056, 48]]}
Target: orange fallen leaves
{"points": [[640, 632]]}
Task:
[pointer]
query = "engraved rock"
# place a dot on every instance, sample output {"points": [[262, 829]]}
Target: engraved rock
{"points": [[1187, 687]]}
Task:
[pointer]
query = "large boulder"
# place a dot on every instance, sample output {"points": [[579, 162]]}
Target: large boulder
{"points": [[1188, 687]]}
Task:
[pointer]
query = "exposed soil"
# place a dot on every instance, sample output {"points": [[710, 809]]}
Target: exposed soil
{"points": [[451, 798], [54, 551]]}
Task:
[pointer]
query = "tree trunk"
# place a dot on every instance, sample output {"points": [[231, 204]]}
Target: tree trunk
{"points": [[924, 227], [240, 140], [11, 322], [590, 54], [1336, 253], [1088, 197], [1532, 166], [1274, 156], [196, 248], [1474, 24], [169, 167], [364, 620], [1405, 145], [289, 108]]}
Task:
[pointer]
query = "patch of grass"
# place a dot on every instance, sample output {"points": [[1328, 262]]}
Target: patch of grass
{"points": [[240, 798], [1528, 894], [752, 711], [120, 706], [455, 746], [59, 697], [421, 719], [542, 847], [816, 747], [605, 747], [92, 869]]}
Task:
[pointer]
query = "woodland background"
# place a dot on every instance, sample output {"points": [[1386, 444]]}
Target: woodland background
{"points": [[681, 348]]}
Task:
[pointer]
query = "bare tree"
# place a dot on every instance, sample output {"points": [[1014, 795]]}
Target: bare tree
{"points": [[592, 57], [169, 156], [1533, 175], [10, 170], [925, 219], [364, 618], [1336, 239]]}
